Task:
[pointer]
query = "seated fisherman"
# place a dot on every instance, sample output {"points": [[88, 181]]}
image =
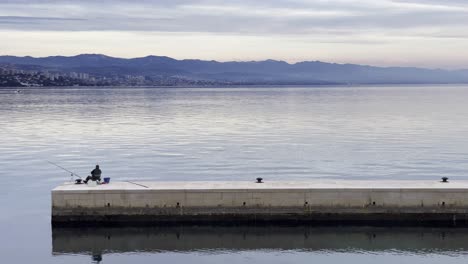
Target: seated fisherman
{"points": [[95, 175]]}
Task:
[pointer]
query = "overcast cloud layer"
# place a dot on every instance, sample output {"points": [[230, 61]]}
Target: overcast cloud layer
{"points": [[426, 33]]}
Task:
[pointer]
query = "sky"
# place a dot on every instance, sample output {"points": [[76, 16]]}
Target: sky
{"points": [[422, 33]]}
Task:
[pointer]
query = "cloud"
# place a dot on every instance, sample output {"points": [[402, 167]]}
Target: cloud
{"points": [[23, 19], [238, 16], [391, 31]]}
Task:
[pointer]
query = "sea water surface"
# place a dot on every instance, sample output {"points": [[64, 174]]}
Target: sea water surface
{"points": [[223, 134]]}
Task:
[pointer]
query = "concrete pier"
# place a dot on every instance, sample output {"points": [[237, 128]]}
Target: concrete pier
{"points": [[292, 202]]}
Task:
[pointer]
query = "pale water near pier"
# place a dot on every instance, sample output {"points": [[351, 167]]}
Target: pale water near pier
{"points": [[227, 134]]}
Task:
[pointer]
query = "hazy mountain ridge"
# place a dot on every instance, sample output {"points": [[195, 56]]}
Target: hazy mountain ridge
{"points": [[268, 71]]}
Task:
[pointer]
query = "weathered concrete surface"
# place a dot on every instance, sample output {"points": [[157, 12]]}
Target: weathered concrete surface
{"points": [[321, 201]]}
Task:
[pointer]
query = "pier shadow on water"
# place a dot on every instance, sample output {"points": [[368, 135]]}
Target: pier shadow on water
{"points": [[97, 242]]}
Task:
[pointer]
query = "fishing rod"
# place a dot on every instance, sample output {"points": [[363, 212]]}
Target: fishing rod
{"points": [[72, 173], [138, 184]]}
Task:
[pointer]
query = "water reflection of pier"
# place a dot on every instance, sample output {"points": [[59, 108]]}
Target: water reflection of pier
{"points": [[98, 241]]}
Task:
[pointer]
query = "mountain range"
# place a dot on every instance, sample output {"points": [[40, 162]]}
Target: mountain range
{"points": [[252, 72]]}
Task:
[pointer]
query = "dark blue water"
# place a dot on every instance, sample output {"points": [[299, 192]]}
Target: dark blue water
{"points": [[226, 134]]}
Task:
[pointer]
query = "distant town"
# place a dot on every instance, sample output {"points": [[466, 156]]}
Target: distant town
{"points": [[102, 70], [13, 77]]}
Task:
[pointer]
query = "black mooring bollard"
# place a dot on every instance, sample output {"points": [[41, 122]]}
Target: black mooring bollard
{"points": [[445, 179], [259, 180]]}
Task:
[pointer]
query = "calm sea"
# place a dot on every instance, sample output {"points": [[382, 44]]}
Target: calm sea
{"points": [[176, 134]]}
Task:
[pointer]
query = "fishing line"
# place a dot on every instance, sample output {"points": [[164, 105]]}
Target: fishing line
{"points": [[72, 173]]}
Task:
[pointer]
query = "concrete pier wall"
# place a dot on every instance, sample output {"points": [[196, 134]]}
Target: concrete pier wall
{"points": [[325, 201]]}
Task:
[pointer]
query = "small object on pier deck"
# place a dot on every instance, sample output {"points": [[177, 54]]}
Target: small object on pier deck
{"points": [[445, 179], [78, 181], [259, 180], [92, 183]]}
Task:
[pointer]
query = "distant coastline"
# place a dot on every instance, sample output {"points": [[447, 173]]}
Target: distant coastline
{"points": [[101, 70]]}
